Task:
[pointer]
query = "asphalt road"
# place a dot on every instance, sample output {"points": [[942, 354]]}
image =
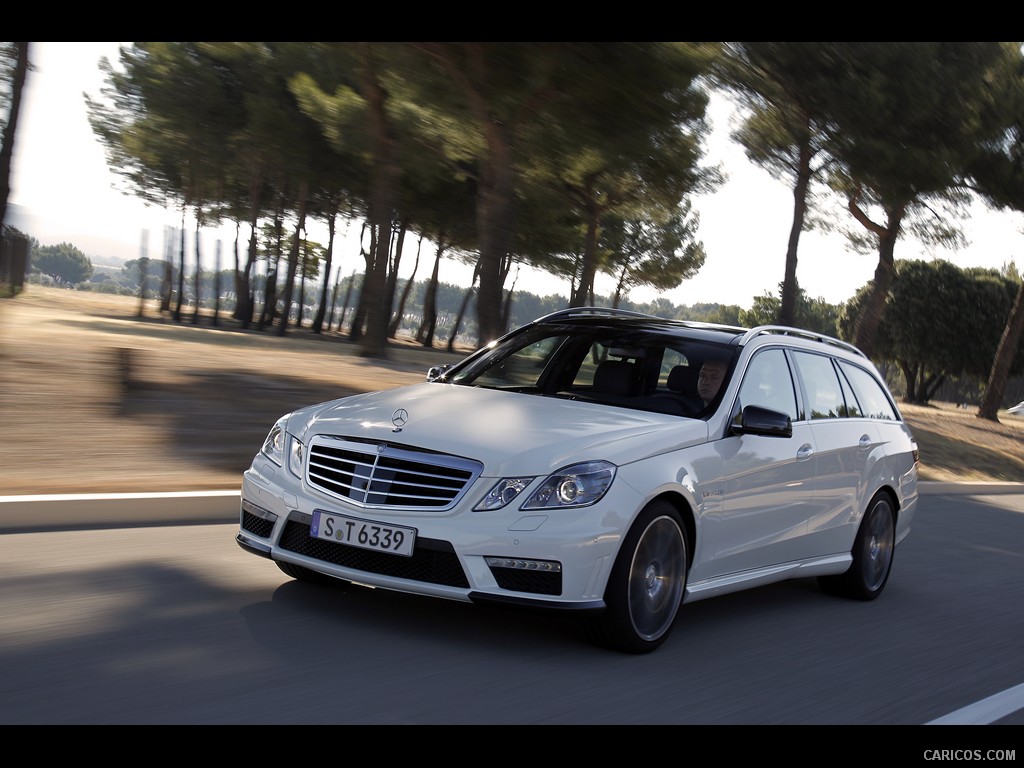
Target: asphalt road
{"points": [[174, 624]]}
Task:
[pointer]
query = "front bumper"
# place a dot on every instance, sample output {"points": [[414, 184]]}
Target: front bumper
{"points": [[500, 556]]}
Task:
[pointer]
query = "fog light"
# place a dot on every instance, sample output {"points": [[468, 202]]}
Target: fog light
{"points": [[517, 564], [260, 512]]}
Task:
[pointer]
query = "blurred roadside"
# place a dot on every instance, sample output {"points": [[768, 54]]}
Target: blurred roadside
{"points": [[94, 399]]}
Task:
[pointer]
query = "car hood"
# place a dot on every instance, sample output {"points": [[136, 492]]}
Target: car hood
{"points": [[510, 432]]}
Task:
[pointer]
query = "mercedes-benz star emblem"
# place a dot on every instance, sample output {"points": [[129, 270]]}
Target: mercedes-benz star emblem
{"points": [[399, 418]]}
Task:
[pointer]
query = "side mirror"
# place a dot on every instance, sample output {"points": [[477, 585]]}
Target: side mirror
{"points": [[436, 372], [755, 420]]}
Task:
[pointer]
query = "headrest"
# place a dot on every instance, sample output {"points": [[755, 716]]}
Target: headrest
{"points": [[683, 378], [614, 377]]}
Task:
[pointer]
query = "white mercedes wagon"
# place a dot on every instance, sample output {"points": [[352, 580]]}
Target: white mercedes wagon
{"points": [[604, 463]]}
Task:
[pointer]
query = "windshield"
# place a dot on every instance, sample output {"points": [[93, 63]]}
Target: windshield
{"points": [[629, 367]]}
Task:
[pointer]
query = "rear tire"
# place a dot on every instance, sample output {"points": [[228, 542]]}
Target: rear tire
{"points": [[301, 573], [646, 585], [873, 552]]}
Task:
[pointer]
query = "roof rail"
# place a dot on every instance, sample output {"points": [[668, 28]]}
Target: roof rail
{"points": [[789, 331], [562, 314], [598, 311]]}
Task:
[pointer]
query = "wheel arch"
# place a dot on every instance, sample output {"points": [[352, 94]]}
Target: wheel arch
{"points": [[894, 500]]}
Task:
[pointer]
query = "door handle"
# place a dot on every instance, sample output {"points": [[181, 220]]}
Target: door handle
{"points": [[804, 452]]}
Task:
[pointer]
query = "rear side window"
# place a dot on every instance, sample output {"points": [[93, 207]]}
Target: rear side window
{"points": [[821, 383], [874, 402], [853, 410]]}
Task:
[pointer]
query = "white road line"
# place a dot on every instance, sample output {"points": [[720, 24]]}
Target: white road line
{"points": [[22, 513], [115, 496], [986, 711]]}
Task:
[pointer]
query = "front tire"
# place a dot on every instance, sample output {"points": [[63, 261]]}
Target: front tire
{"points": [[873, 552], [646, 585]]}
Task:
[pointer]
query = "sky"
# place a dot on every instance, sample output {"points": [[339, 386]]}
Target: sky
{"points": [[64, 191]]}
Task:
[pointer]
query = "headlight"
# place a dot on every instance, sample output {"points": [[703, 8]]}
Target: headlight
{"points": [[578, 485], [295, 453], [273, 446], [575, 486], [284, 449], [505, 491]]}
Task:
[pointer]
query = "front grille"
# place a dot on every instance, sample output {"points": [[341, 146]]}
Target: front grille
{"points": [[382, 475], [433, 561]]}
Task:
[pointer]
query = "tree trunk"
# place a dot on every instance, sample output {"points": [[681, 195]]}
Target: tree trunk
{"points": [[590, 258], [348, 299], [462, 309], [1005, 354], [931, 385], [216, 286], [167, 284], [790, 287], [245, 291], [199, 271], [294, 256], [17, 88], [143, 270], [334, 300], [245, 311], [910, 377], [506, 313], [245, 299], [428, 323], [356, 330], [620, 287], [301, 303], [321, 310], [384, 176], [181, 270], [494, 228], [396, 322], [395, 252], [269, 311], [143, 264], [871, 316]]}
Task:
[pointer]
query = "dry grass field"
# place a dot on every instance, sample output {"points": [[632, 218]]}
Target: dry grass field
{"points": [[94, 398]]}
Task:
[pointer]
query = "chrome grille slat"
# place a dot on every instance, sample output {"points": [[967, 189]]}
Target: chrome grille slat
{"points": [[385, 475]]}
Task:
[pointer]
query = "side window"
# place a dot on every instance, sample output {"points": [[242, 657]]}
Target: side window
{"points": [[821, 383], [853, 409], [874, 402], [767, 382]]}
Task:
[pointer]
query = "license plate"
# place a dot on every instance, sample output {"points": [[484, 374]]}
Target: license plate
{"points": [[365, 534]]}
